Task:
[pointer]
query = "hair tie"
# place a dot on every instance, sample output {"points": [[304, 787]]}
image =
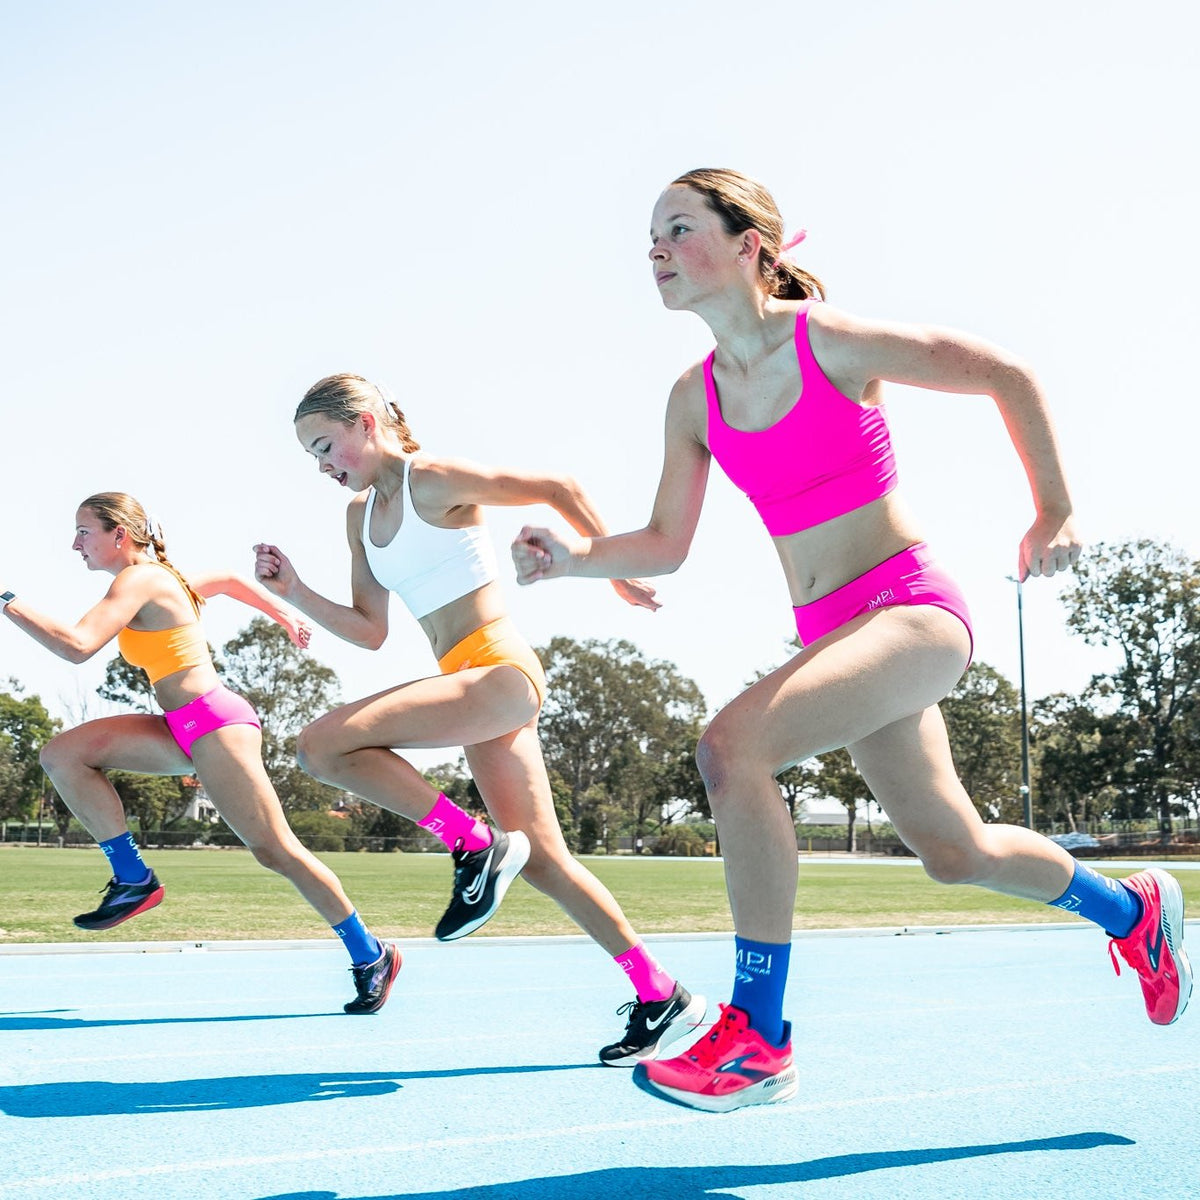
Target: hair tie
{"points": [[153, 528], [803, 233]]}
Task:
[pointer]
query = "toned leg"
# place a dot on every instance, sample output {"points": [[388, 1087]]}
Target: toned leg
{"points": [[873, 672], [76, 761], [351, 746], [511, 776], [909, 769], [228, 762]]}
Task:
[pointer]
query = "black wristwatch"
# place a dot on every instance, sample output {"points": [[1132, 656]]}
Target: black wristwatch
{"points": [[5, 597]]}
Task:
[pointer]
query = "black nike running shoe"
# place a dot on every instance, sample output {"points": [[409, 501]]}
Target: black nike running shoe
{"points": [[655, 1025], [481, 877]]}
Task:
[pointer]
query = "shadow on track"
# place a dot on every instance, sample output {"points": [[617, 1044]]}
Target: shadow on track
{"points": [[699, 1183], [15, 1022], [99, 1098]]}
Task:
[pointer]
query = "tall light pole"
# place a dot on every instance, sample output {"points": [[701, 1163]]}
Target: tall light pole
{"points": [[1026, 795]]}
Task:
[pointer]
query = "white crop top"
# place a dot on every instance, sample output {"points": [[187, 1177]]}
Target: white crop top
{"points": [[425, 565]]}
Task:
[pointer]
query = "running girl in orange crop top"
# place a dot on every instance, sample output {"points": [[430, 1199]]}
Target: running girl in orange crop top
{"points": [[205, 728], [418, 531]]}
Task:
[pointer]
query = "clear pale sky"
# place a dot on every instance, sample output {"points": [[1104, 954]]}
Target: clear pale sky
{"points": [[208, 207]]}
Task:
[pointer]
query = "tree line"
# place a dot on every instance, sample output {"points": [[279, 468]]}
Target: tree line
{"points": [[619, 730]]}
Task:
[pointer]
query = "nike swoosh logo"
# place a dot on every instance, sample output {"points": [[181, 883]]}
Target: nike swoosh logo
{"points": [[668, 1015], [1154, 949], [473, 894]]}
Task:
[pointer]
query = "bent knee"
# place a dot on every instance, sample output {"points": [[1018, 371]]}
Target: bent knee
{"points": [[716, 756], [546, 871], [952, 864], [283, 856], [61, 751], [727, 752], [316, 750]]}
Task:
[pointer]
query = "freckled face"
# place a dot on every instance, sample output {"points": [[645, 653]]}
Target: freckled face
{"points": [[690, 253], [339, 450], [96, 545]]}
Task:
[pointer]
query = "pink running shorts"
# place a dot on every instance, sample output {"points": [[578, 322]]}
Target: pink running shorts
{"points": [[910, 577], [213, 710]]}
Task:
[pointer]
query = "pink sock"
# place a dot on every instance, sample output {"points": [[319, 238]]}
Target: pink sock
{"points": [[649, 980], [448, 822]]}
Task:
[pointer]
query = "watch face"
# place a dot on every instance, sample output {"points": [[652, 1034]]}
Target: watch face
{"points": [[5, 597]]}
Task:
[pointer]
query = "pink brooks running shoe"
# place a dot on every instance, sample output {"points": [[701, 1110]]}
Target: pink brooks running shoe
{"points": [[1154, 946], [730, 1067]]}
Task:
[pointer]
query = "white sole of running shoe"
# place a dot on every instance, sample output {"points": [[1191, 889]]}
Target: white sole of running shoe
{"points": [[775, 1090], [1171, 898], [513, 864]]}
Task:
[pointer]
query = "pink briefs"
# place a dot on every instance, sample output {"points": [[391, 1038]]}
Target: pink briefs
{"points": [[910, 577], [214, 710]]}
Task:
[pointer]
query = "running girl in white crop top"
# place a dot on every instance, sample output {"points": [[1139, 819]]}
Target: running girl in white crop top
{"points": [[418, 531]]}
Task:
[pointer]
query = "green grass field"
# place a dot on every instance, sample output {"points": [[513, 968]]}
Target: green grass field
{"points": [[225, 894]]}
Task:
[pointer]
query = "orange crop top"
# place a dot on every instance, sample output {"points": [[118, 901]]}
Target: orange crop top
{"points": [[162, 652]]}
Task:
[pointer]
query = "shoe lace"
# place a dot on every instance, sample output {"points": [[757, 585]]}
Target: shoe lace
{"points": [[1130, 950], [459, 855], [363, 976], [634, 1009], [708, 1049], [111, 886], [1112, 954]]}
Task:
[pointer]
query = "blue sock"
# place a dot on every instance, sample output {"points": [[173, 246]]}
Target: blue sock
{"points": [[758, 985], [363, 946], [125, 859], [1107, 902]]}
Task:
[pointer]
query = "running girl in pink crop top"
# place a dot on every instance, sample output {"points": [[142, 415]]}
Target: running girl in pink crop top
{"points": [[416, 530], [205, 729], [885, 632]]}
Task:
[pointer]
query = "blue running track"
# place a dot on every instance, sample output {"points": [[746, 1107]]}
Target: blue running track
{"points": [[984, 1063]]}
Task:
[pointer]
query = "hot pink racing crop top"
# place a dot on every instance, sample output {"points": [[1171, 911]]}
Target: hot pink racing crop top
{"points": [[827, 456], [425, 565]]}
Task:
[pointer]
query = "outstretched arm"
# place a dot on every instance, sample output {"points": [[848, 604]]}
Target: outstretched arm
{"points": [[662, 544], [252, 593], [95, 629], [444, 485], [853, 353], [363, 622]]}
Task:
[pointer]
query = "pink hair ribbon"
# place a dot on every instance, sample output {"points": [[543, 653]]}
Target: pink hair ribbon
{"points": [[796, 240]]}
